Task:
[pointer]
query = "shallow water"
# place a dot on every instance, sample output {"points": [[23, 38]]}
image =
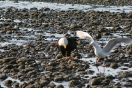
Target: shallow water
{"points": [[56, 6], [9, 78]]}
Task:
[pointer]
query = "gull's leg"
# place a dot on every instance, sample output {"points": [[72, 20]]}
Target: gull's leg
{"points": [[103, 65], [96, 59], [97, 68], [96, 65]]}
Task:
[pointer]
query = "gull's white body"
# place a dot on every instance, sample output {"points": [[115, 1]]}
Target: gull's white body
{"points": [[99, 52]]}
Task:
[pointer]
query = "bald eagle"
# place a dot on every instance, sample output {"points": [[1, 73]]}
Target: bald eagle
{"points": [[66, 45]]}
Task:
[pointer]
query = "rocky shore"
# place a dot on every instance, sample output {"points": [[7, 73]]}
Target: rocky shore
{"points": [[28, 51]]}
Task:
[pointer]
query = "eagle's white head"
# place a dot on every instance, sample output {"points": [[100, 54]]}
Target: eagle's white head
{"points": [[63, 42]]}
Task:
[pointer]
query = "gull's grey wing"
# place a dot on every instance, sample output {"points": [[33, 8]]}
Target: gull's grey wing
{"points": [[113, 42]]}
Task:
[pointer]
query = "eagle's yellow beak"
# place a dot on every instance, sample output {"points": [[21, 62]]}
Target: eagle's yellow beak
{"points": [[65, 46]]}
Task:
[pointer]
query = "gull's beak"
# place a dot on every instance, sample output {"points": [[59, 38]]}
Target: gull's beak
{"points": [[65, 46]]}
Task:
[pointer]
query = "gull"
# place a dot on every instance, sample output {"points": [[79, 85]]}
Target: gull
{"points": [[105, 51]]}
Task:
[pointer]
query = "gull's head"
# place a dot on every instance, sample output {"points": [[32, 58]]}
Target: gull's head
{"points": [[63, 42]]}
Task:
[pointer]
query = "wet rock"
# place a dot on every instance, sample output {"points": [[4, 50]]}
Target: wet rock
{"points": [[116, 86], [114, 65], [109, 77], [130, 64], [49, 68], [23, 84], [59, 56], [59, 86], [66, 77], [107, 64], [125, 74], [80, 69], [23, 59], [75, 55], [129, 50], [3, 76], [8, 83], [44, 82], [73, 83], [33, 72], [73, 25], [95, 81], [124, 68], [105, 82], [16, 85], [40, 56], [52, 63], [127, 84], [30, 86], [51, 85], [58, 78], [90, 71], [98, 36], [5, 60], [82, 72]]}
